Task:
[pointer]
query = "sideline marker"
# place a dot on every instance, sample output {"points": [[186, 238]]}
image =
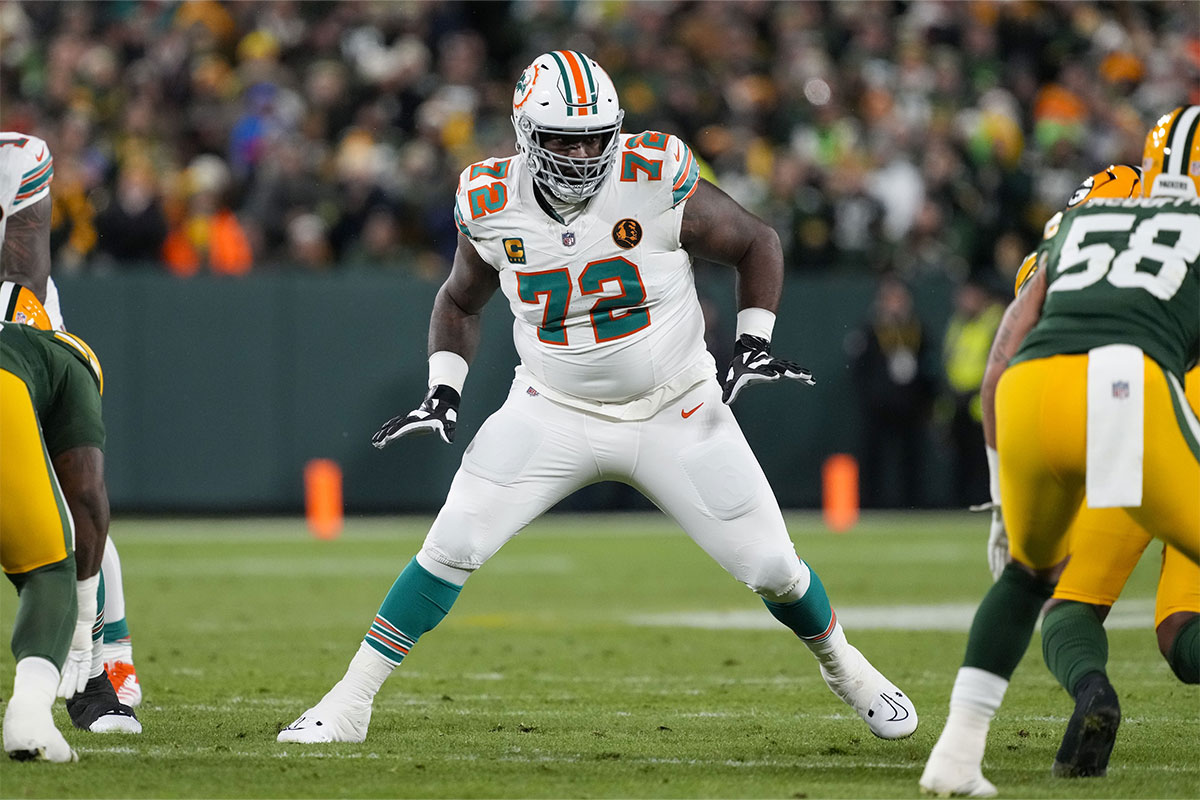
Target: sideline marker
{"points": [[323, 497], [839, 481]]}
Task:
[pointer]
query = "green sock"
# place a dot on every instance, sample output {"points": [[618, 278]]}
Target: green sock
{"points": [[1073, 643], [1004, 621], [46, 612], [417, 602], [1184, 655]]}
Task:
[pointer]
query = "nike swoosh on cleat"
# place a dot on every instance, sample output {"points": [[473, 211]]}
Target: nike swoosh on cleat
{"points": [[686, 414], [899, 712]]}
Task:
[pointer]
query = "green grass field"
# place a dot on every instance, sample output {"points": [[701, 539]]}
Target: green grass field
{"points": [[595, 656]]}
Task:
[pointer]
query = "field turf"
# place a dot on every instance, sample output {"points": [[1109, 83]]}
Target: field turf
{"points": [[595, 656]]}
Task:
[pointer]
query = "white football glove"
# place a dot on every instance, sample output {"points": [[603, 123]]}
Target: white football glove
{"points": [[997, 546], [78, 664]]}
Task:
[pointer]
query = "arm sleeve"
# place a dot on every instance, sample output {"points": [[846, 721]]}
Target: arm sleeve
{"points": [[26, 170]]}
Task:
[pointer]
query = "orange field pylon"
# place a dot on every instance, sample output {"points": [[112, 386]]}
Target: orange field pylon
{"points": [[839, 480], [323, 497]]}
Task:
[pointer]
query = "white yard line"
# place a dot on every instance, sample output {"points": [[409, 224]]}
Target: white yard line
{"points": [[956, 617]]}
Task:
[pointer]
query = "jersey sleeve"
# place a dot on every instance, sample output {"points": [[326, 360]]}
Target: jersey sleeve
{"points": [[684, 170], [26, 171], [74, 418], [483, 193], [1025, 272], [661, 163]]}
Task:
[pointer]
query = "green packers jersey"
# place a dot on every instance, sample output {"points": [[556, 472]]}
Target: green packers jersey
{"points": [[63, 381], [1122, 271]]}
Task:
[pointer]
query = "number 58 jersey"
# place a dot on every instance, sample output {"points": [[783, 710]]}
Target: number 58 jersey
{"points": [[606, 316], [1123, 271]]}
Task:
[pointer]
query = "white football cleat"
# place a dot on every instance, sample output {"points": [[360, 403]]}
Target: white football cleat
{"points": [[330, 720], [30, 735], [945, 776], [887, 711]]}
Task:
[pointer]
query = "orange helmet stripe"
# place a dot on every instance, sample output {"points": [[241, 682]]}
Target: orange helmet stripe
{"points": [[575, 84]]}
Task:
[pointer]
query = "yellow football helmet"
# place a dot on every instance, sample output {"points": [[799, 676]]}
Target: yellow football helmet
{"points": [[19, 304], [1171, 159]]}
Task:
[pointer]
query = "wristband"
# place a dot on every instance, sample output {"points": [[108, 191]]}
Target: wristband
{"points": [[85, 594], [993, 459], [756, 322], [448, 369]]}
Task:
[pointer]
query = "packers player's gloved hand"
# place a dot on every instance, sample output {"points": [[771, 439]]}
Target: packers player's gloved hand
{"points": [[997, 546], [752, 363], [78, 664], [438, 412]]}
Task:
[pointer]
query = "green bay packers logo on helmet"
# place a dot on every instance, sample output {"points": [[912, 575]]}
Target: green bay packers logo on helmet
{"points": [[627, 233]]}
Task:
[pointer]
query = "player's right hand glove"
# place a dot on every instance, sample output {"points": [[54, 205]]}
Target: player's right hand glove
{"points": [[997, 544], [752, 363], [78, 663], [438, 412]]}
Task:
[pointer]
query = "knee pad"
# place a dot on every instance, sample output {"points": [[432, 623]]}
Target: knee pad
{"points": [[777, 575]]}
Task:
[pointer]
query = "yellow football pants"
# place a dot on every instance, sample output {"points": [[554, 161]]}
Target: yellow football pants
{"points": [[35, 525], [1106, 544], [1041, 412]]}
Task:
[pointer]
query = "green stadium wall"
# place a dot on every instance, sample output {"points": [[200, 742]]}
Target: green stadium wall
{"points": [[219, 390]]}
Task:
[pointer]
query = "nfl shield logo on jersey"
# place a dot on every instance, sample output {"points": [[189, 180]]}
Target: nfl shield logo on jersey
{"points": [[569, 239], [1120, 389]]}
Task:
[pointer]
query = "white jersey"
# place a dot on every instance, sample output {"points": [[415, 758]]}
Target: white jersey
{"points": [[606, 316], [26, 169]]}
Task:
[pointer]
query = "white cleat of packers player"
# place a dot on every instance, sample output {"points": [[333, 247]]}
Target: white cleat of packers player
{"points": [[30, 734]]}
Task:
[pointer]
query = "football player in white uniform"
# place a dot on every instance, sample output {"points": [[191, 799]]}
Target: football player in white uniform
{"points": [[590, 234], [26, 171]]}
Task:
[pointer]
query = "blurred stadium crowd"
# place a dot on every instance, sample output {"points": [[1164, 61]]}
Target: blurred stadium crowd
{"points": [[919, 138]]}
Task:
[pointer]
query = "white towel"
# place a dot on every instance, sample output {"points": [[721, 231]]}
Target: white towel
{"points": [[1116, 399]]}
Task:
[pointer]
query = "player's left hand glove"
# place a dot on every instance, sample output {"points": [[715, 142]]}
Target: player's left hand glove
{"points": [[997, 544], [78, 663], [752, 363], [438, 412]]}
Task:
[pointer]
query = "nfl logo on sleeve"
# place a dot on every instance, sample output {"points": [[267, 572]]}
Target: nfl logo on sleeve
{"points": [[569, 239]]}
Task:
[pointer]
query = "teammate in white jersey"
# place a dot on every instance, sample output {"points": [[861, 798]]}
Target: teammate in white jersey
{"points": [[26, 171], [590, 234]]}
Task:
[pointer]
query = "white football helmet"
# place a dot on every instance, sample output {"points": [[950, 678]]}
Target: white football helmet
{"points": [[566, 93]]}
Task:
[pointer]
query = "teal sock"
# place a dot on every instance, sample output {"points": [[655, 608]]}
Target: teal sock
{"points": [[1074, 644], [416, 603], [810, 617], [1184, 655], [1004, 621], [116, 631], [46, 610]]}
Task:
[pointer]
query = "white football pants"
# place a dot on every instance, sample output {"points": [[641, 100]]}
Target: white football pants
{"points": [[698, 468]]}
